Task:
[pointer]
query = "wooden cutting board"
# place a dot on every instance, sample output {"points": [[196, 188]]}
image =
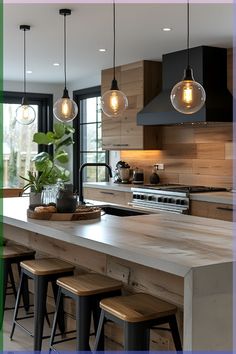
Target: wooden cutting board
{"points": [[82, 213]]}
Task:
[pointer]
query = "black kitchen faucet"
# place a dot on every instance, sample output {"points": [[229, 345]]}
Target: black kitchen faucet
{"points": [[81, 197]]}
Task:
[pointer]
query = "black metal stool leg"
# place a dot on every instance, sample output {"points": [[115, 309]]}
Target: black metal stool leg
{"points": [[136, 337], [96, 318], [17, 304], [83, 321], [99, 330], [175, 333], [12, 280], [40, 297], [5, 266], [61, 314], [55, 318], [25, 294]]}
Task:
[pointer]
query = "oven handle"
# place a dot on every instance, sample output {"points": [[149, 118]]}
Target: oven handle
{"points": [[156, 210]]}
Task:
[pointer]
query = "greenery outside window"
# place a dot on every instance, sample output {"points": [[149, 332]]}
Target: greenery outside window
{"points": [[18, 148]]}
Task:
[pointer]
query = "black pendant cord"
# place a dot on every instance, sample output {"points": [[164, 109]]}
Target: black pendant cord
{"points": [[65, 50], [188, 32], [24, 65], [114, 85], [114, 39]]}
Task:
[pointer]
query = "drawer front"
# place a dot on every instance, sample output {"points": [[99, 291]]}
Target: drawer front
{"points": [[212, 210], [109, 196]]}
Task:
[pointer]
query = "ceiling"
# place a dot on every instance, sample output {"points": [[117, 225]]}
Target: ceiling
{"points": [[139, 36]]}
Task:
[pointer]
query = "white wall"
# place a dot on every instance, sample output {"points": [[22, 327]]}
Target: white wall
{"points": [[55, 89]]}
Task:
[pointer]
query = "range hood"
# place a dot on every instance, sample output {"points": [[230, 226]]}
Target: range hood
{"points": [[210, 70]]}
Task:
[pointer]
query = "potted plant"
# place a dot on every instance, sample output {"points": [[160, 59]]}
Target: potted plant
{"points": [[48, 168]]}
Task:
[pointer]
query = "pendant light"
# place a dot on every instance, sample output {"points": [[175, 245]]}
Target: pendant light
{"points": [[114, 102], [65, 109], [25, 114], [188, 96]]}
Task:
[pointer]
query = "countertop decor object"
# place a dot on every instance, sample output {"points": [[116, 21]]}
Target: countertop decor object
{"points": [[65, 109], [81, 213], [114, 102], [188, 96], [25, 114]]}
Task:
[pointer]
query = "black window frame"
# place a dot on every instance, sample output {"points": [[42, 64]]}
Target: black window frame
{"points": [[78, 96]]}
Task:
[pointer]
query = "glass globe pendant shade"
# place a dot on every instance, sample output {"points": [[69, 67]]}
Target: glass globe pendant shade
{"points": [[65, 109], [25, 114], [114, 102], [188, 96]]}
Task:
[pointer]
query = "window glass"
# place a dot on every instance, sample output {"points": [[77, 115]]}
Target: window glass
{"points": [[90, 127], [18, 148]]}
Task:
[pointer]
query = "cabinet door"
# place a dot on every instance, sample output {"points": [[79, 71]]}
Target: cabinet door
{"points": [[122, 133], [212, 210], [107, 195]]}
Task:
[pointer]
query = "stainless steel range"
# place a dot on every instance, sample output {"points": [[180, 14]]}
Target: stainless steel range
{"points": [[168, 197]]}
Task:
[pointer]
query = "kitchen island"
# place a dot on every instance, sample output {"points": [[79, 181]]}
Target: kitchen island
{"points": [[184, 259]]}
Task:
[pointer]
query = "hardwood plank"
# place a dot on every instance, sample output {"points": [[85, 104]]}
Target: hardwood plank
{"points": [[215, 151], [213, 133], [180, 151], [229, 151], [178, 135], [213, 167]]}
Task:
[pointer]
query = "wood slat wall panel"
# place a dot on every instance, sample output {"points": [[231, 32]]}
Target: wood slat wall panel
{"points": [[191, 154]]}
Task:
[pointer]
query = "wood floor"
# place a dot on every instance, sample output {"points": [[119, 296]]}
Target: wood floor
{"points": [[23, 342]]}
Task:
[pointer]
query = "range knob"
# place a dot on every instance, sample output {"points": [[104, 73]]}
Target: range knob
{"points": [[182, 202], [142, 197], [135, 196], [165, 200], [160, 199], [150, 197], [177, 201]]}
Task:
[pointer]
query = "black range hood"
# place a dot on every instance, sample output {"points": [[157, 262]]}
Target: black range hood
{"points": [[210, 70]]}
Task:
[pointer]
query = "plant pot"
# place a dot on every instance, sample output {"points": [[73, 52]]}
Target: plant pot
{"points": [[35, 198]]}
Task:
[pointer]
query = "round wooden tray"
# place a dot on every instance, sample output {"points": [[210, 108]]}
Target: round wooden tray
{"points": [[81, 213]]}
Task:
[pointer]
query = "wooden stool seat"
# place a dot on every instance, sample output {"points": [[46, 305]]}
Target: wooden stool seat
{"points": [[16, 251], [89, 284], [137, 308], [46, 266], [137, 314], [87, 290]]}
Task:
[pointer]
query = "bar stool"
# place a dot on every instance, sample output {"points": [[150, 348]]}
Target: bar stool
{"points": [[41, 271], [14, 254], [86, 290], [137, 314]]}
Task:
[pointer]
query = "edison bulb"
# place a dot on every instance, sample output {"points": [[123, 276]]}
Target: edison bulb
{"points": [[188, 96], [25, 114], [114, 103], [65, 109]]}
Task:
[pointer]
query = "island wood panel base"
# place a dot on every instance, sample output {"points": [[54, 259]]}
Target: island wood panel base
{"points": [[137, 279]]}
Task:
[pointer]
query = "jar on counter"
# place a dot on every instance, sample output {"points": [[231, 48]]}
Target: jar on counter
{"points": [[138, 176]]}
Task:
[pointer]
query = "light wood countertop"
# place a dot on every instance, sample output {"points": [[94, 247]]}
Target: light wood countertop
{"points": [[170, 242]]}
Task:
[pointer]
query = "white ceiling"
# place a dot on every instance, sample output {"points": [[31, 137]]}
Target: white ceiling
{"points": [[139, 36]]}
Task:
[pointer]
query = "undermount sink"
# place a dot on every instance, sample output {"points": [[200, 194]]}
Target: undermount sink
{"points": [[120, 211]]}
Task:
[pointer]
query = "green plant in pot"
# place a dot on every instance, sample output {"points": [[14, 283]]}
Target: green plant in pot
{"points": [[48, 167]]}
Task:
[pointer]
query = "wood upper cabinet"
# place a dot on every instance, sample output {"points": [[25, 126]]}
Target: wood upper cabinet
{"points": [[140, 81], [212, 210]]}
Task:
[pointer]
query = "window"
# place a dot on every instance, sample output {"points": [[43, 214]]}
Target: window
{"points": [[18, 148], [88, 136]]}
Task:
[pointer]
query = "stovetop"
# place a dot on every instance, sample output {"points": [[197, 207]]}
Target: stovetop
{"points": [[181, 188]]}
